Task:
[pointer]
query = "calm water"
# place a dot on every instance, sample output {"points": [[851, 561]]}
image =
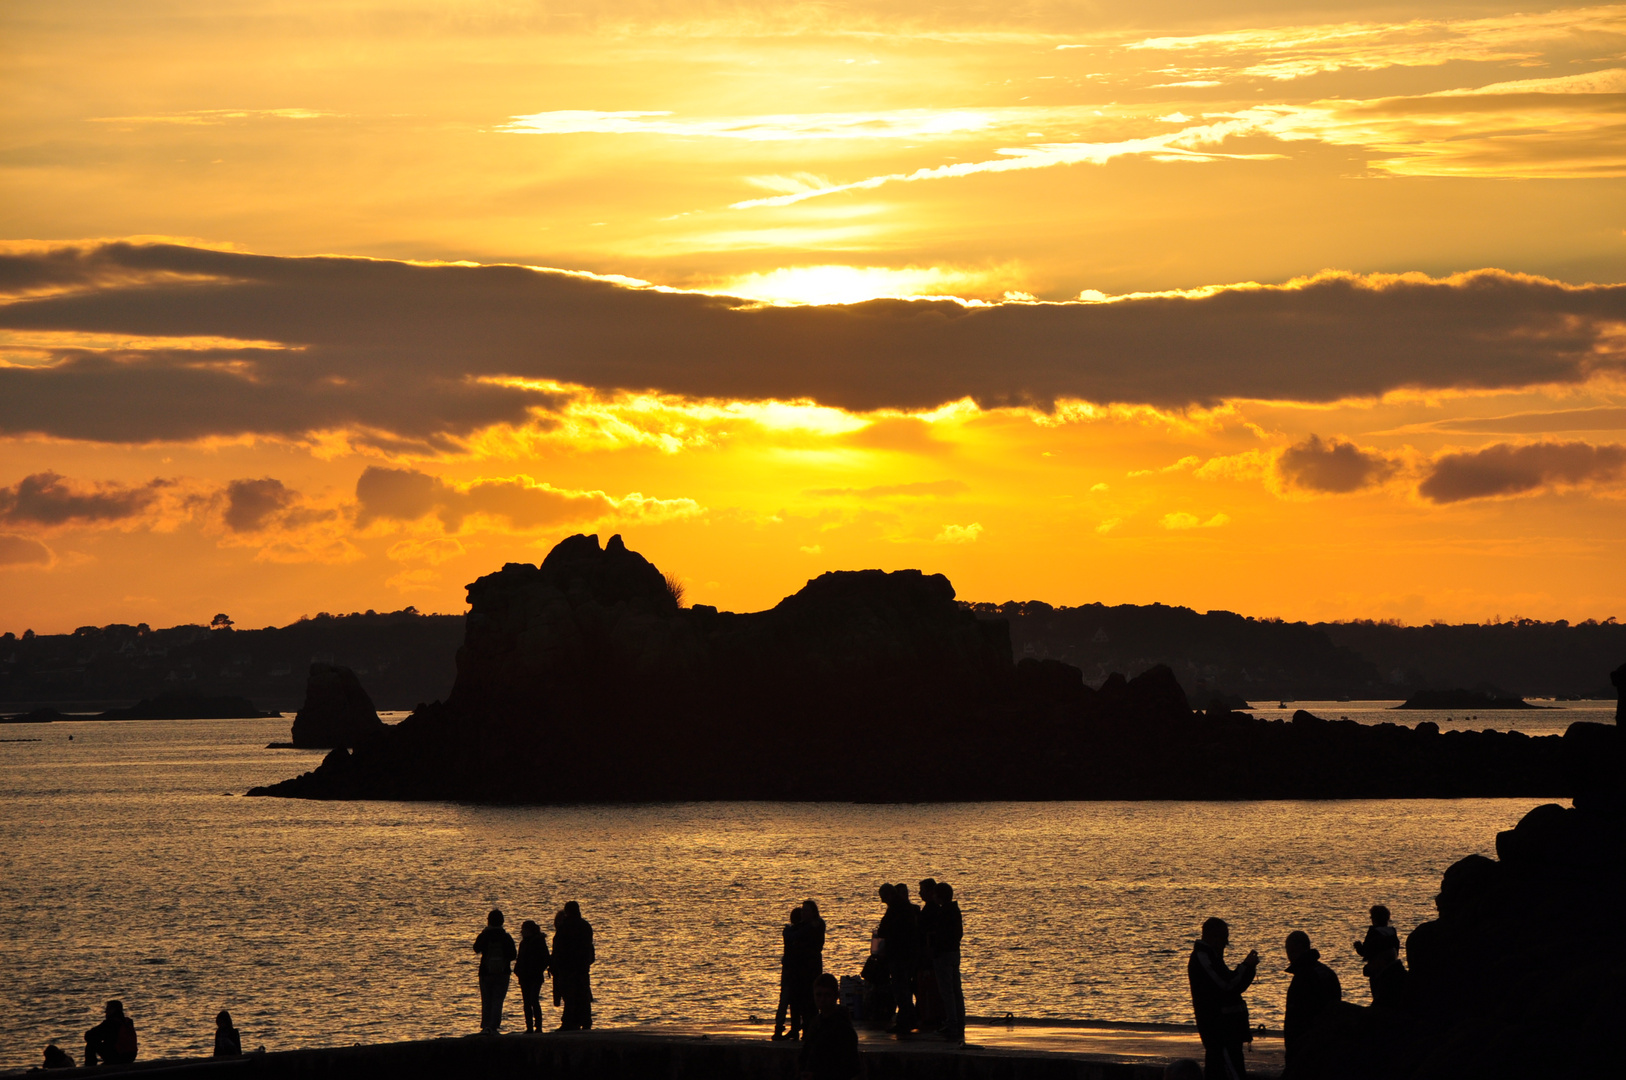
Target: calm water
{"points": [[130, 870]]}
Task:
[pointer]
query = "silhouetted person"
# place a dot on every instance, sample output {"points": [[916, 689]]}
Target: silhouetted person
{"points": [[57, 1058], [530, 969], [1313, 993], [928, 1002], [1381, 951], [496, 951], [830, 1046], [899, 928], [809, 959], [113, 1041], [573, 954], [228, 1041], [946, 931], [788, 972], [1216, 998]]}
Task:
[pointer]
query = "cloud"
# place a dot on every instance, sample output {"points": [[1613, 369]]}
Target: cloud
{"points": [[252, 504], [20, 551], [1180, 520], [1333, 467], [922, 489], [912, 124], [48, 499], [1600, 418], [428, 355], [1507, 469], [958, 534], [408, 495]]}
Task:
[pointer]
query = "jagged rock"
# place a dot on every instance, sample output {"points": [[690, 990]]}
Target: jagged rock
{"points": [[583, 680], [337, 710]]}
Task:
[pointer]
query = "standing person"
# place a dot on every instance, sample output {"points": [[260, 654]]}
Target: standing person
{"points": [[1313, 993], [947, 930], [1381, 951], [898, 930], [787, 978], [496, 951], [809, 959], [830, 1049], [1216, 998], [113, 1041], [228, 1041], [530, 969], [929, 1003], [573, 954]]}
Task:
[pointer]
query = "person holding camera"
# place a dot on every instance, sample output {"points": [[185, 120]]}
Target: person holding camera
{"points": [[1216, 997]]}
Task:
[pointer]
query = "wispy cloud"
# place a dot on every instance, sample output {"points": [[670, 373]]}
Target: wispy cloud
{"points": [[206, 117], [782, 127]]}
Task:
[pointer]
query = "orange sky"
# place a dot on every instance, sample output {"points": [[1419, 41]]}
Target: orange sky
{"points": [[1311, 310]]}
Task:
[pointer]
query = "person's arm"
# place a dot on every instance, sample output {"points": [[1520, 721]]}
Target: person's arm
{"points": [[508, 948], [480, 941], [1228, 981]]}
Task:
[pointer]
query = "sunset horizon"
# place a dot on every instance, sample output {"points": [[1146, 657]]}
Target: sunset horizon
{"points": [[1315, 311]]}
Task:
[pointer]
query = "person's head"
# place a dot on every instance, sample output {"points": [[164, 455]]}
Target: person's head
{"points": [[529, 929], [1298, 943], [222, 1019], [495, 918], [928, 890], [558, 918], [1184, 1069], [945, 892], [810, 908], [1216, 932], [115, 1010], [796, 916], [886, 892], [1380, 915], [826, 994], [573, 910], [901, 891]]}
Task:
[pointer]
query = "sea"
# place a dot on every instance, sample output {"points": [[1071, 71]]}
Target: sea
{"points": [[133, 867]]}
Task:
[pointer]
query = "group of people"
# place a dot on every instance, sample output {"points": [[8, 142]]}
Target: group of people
{"points": [[568, 961], [114, 1041], [1313, 993]]}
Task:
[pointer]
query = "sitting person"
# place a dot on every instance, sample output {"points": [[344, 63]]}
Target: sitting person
{"points": [[113, 1041], [57, 1058], [829, 1045], [228, 1041]]}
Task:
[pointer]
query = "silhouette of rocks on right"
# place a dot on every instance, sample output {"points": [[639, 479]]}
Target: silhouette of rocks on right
{"points": [[337, 712], [1618, 677]]}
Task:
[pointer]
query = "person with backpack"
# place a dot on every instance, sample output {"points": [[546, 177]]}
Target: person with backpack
{"points": [[113, 1041], [496, 949]]}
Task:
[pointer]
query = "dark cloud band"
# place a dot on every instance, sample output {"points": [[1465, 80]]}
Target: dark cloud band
{"points": [[411, 352], [1505, 469]]}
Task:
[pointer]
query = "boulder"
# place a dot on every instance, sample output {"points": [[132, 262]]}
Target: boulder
{"points": [[337, 710]]}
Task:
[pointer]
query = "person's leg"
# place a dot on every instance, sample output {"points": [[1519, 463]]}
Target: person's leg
{"points": [[903, 995], [783, 1006], [952, 993], [587, 1001]]}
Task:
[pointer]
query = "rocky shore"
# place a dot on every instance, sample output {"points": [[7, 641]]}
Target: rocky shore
{"points": [[582, 679]]}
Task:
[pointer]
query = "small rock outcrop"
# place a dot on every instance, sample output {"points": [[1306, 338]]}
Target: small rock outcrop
{"points": [[1466, 699], [337, 710]]}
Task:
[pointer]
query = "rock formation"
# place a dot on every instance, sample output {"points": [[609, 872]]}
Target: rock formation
{"points": [[1466, 699], [1618, 677], [337, 711], [1519, 975], [583, 680], [188, 707]]}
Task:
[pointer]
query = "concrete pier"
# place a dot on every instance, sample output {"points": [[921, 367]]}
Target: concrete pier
{"points": [[1021, 1050]]}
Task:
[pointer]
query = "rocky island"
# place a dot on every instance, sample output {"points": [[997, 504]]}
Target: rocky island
{"points": [[1466, 699], [582, 679]]}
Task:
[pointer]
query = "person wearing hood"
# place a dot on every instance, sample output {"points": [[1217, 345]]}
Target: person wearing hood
{"points": [[1314, 992], [530, 969], [1216, 998], [573, 955]]}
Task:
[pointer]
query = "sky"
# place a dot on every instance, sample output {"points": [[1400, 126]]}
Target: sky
{"points": [[1295, 309]]}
